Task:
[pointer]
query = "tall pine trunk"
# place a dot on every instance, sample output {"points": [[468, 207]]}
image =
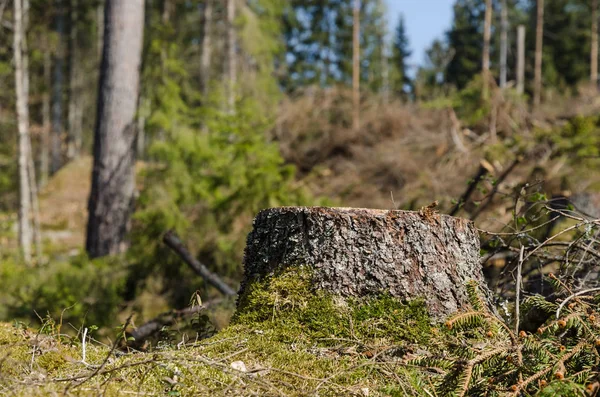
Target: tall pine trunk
{"points": [[57, 90], [356, 67], [46, 118], [206, 46], [539, 40], [25, 231], [594, 49], [75, 89], [521, 59], [231, 56], [113, 179], [487, 33], [504, 44]]}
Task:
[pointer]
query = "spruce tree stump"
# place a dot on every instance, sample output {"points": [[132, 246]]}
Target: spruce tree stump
{"points": [[354, 252]]}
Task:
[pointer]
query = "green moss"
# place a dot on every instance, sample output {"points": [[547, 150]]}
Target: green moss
{"points": [[288, 302], [292, 339]]}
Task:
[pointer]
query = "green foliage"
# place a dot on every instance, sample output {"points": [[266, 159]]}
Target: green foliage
{"points": [[400, 55], [578, 138], [79, 291], [483, 356]]}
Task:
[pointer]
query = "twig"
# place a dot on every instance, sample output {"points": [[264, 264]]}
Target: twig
{"points": [[481, 172], [174, 242], [149, 328], [518, 289], [501, 179], [573, 296]]}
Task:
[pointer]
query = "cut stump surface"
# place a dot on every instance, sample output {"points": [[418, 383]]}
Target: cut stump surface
{"points": [[355, 252]]}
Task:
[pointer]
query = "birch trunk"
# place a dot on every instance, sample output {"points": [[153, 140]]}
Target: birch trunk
{"points": [[113, 179], [25, 232]]}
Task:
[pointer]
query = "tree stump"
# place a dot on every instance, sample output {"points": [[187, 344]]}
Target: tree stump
{"points": [[355, 252]]}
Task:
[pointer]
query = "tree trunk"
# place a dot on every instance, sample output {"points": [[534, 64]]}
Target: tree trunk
{"points": [[75, 90], [521, 59], [35, 208], [113, 178], [357, 252], [46, 118], [385, 75], [594, 49], [100, 28], [487, 33], [356, 67], [504, 44], [231, 55], [25, 232], [206, 47], [57, 90], [539, 39]]}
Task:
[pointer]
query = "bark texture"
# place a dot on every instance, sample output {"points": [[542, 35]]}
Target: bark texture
{"points": [[25, 231], [113, 183], [358, 252]]}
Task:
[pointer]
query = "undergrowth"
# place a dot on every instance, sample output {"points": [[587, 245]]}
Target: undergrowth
{"points": [[287, 339]]}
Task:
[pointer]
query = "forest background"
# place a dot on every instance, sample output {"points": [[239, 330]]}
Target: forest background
{"points": [[244, 105]]}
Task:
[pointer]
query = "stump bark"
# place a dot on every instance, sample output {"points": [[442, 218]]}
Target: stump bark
{"points": [[356, 252]]}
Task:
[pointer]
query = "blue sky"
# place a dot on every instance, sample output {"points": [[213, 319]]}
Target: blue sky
{"points": [[425, 21]]}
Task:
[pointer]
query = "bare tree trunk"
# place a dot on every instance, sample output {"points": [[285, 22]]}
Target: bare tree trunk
{"points": [[521, 59], [504, 44], [25, 232], [100, 28], [487, 33], [539, 40], [36, 232], [385, 71], [356, 67], [206, 46], [113, 178], [353, 252], [594, 50], [57, 90], [231, 55], [75, 90], [46, 118]]}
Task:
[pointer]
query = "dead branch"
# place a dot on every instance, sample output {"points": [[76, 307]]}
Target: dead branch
{"points": [[174, 242], [146, 330], [481, 173], [490, 197]]}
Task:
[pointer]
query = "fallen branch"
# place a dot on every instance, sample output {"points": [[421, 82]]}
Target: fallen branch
{"points": [[481, 172], [174, 242], [146, 330]]}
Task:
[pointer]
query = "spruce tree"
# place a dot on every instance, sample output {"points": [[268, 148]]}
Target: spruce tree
{"points": [[400, 54], [465, 37]]}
